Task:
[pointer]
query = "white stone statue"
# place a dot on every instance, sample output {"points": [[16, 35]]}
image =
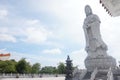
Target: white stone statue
{"points": [[97, 59], [95, 47], [94, 42]]}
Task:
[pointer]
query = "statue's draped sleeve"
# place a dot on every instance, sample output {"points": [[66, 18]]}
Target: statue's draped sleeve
{"points": [[85, 32]]}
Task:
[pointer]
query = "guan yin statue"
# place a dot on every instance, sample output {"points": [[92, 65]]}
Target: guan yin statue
{"points": [[95, 47], [99, 65]]}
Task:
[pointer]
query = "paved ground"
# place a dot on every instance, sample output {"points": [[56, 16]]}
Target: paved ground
{"points": [[49, 78]]}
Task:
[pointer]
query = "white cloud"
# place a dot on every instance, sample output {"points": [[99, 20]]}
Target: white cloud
{"points": [[7, 37], [3, 13], [35, 32], [36, 35], [32, 22], [3, 50], [3, 30], [32, 31], [70, 13], [52, 51]]}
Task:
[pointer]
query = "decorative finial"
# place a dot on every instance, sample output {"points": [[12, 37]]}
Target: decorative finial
{"points": [[68, 58]]}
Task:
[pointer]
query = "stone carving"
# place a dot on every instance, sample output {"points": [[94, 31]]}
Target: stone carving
{"points": [[95, 47]]}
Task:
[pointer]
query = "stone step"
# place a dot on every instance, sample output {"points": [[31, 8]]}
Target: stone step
{"points": [[101, 75], [103, 78], [87, 76]]}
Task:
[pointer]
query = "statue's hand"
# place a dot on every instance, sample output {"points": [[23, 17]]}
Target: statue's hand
{"points": [[86, 26]]}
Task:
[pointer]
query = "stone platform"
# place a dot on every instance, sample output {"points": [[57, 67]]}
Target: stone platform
{"points": [[100, 62]]}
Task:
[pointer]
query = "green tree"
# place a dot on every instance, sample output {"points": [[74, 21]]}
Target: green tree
{"points": [[36, 68], [28, 68], [48, 70], [23, 66], [61, 68], [55, 70], [10, 68], [2, 66], [7, 67]]}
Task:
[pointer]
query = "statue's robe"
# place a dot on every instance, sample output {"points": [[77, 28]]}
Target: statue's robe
{"points": [[92, 34]]}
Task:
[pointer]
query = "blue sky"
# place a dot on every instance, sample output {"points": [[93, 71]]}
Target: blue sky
{"points": [[46, 31]]}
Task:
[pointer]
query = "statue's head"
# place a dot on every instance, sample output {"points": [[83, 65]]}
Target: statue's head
{"points": [[88, 10]]}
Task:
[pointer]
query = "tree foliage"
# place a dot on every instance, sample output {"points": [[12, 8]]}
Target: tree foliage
{"points": [[23, 66], [7, 67], [36, 68], [48, 70], [61, 68], [28, 68]]}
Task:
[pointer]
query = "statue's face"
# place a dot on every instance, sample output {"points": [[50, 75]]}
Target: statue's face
{"points": [[88, 10]]}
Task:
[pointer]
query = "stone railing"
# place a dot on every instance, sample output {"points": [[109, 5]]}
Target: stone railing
{"points": [[12, 75]]}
